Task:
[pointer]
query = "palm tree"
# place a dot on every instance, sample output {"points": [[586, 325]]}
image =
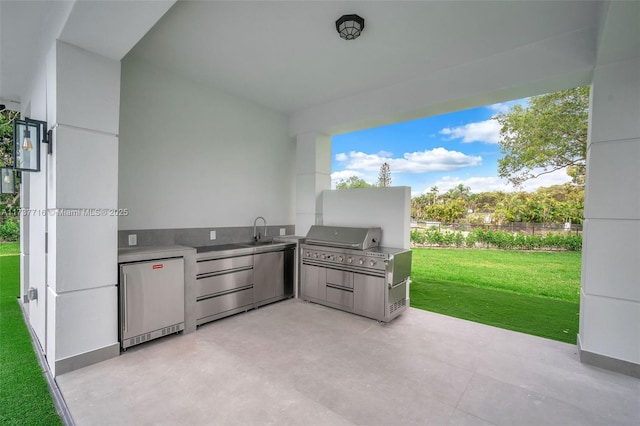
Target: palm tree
{"points": [[434, 194]]}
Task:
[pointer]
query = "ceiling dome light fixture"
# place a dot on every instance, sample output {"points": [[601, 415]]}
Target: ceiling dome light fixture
{"points": [[350, 26]]}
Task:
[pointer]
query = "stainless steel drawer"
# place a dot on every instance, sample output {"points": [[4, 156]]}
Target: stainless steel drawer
{"points": [[340, 297], [207, 266], [226, 302], [223, 282], [341, 278]]}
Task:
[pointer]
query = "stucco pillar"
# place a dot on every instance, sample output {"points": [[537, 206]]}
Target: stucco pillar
{"points": [[83, 95], [610, 296], [313, 175]]}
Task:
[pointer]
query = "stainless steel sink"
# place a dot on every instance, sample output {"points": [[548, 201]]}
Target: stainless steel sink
{"points": [[238, 249], [259, 243], [222, 250], [261, 246]]}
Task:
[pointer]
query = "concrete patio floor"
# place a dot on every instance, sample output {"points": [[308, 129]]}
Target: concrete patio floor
{"points": [[296, 363]]}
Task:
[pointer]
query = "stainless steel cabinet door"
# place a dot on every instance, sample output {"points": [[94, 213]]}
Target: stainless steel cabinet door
{"points": [[268, 275], [313, 282], [340, 278], [368, 295], [151, 296]]}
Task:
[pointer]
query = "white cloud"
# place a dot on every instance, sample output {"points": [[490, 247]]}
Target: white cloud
{"points": [[341, 157], [495, 183], [504, 107], [555, 178], [487, 131], [477, 184], [367, 162], [336, 177], [345, 174], [434, 160]]}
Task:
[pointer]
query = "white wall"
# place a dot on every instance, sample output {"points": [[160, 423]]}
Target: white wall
{"points": [[195, 156], [313, 175], [610, 296], [34, 199], [386, 208]]}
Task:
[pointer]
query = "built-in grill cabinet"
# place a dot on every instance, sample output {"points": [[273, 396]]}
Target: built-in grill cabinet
{"points": [[344, 268]]}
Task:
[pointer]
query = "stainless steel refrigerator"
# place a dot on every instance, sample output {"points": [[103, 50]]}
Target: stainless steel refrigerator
{"points": [[151, 300]]}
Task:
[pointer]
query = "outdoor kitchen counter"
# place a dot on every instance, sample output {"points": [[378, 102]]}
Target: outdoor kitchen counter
{"points": [[236, 277], [141, 254], [135, 254], [241, 249], [193, 254]]}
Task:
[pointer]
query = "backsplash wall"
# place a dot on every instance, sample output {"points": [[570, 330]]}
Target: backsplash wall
{"points": [[196, 237]]}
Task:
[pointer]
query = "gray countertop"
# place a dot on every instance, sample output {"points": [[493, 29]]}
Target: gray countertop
{"points": [[136, 254], [240, 249], [142, 253]]}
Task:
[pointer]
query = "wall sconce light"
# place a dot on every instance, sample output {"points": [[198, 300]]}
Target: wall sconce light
{"points": [[350, 26], [26, 143], [7, 181]]}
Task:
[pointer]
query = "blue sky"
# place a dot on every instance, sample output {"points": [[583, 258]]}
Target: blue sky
{"points": [[443, 151]]}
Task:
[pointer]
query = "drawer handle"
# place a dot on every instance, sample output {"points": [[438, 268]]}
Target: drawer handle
{"points": [[350, 290], [124, 291], [224, 272]]}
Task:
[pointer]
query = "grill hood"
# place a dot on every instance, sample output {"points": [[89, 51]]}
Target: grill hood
{"points": [[345, 237]]}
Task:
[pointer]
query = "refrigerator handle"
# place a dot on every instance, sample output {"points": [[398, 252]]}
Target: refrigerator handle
{"points": [[124, 295]]}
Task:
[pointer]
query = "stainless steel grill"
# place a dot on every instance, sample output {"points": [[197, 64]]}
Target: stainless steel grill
{"points": [[339, 236], [345, 268]]}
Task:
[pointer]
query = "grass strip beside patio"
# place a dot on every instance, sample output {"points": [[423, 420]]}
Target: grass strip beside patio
{"points": [[9, 249], [23, 389], [533, 293]]}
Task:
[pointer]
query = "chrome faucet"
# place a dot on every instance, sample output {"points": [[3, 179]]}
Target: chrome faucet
{"points": [[256, 235]]}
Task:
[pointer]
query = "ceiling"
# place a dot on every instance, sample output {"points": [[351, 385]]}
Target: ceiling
{"points": [[28, 29], [288, 55]]}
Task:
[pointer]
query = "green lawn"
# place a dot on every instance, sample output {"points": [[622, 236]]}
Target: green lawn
{"points": [[531, 292], [24, 395], [9, 249]]}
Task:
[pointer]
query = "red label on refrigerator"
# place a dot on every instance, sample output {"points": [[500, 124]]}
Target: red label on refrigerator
{"points": [[158, 266]]}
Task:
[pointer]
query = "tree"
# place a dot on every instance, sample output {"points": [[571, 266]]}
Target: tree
{"points": [[548, 135], [553, 204], [6, 137], [384, 178], [353, 182], [8, 202], [461, 191], [433, 194], [418, 206]]}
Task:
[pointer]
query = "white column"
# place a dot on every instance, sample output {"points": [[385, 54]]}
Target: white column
{"points": [[33, 226], [82, 310], [313, 175], [610, 295]]}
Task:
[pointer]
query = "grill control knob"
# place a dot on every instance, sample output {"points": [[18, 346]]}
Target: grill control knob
{"points": [[350, 259], [315, 255], [372, 262], [324, 256], [361, 261], [340, 259]]}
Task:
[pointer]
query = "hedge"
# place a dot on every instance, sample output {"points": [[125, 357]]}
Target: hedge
{"points": [[480, 238], [9, 231]]}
